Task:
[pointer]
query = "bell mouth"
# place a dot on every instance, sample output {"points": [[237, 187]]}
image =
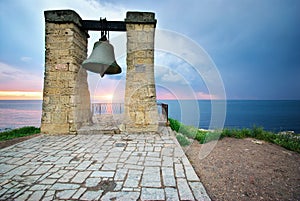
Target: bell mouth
{"points": [[114, 68], [102, 59]]}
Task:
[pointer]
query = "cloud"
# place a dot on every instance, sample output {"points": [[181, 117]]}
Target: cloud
{"points": [[15, 79], [172, 77], [26, 59]]}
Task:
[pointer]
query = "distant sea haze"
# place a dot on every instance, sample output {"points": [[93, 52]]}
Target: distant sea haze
{"points": [[272, 115]]}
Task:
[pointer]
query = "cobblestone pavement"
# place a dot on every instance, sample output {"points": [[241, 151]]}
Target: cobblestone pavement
{"points": [[99, 167]]}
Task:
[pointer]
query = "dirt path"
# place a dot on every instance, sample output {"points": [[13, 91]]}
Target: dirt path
{"points": [[238, 169]]}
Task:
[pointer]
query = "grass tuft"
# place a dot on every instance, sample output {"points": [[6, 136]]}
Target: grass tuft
{"points": [[183, 141], [19, 132], [288, 141]]}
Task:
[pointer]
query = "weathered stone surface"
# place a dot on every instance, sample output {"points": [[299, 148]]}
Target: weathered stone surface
{"points": [[141, 112], [66, 105], [125, 182], [152, 194]]}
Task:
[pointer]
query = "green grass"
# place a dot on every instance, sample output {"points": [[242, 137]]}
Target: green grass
{"points": [[19, 132], [183, 141], [288, 141]]}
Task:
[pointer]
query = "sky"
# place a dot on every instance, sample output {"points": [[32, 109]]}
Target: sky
{"points": [[248, 49]]}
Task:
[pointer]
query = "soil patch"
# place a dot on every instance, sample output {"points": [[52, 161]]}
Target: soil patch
{"points": [[244, 169], [7, 143]]}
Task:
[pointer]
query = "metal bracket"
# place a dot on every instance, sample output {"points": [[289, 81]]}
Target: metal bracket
{"points": [[94, 25]]}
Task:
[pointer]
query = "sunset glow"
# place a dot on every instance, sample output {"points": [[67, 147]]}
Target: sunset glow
{"points": [[21, 95], [102, 98]]}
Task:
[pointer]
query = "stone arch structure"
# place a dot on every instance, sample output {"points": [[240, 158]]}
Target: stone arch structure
{"points": [[66, 98]]}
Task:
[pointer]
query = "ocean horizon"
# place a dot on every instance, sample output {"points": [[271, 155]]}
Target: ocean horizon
{"points": [[272, 115]]}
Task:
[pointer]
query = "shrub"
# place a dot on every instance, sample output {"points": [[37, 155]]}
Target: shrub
{"points": [[188, 131], [207, 136], [200, 136], [210, 136], [174, 124], [183, 141], [288, 141], [20, 132], [257, 132]]}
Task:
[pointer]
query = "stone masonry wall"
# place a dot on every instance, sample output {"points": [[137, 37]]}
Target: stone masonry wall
{"points": [[141, 112], [66, 98]]}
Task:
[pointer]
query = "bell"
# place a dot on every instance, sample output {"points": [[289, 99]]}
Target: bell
{"points": [[102, 59]]}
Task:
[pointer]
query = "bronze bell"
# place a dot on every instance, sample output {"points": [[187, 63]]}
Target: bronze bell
{"points": [[102, 59]]}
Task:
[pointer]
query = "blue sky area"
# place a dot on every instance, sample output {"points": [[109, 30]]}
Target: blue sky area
{"points": [[254, 44]]}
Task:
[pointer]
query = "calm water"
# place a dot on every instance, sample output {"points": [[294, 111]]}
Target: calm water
{"points": [[272, 115], [17, 113]]}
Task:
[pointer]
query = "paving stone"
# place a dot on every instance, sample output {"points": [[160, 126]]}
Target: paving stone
{"points": [[149, 167], [171, 194], [96, 166], [167, 161], [48, 181], [199, 191], [111, 160], [23, 196], [190, 174], [22, 190], [91, 195], [109, 166], [17, 171], [166, 151], [79, 193], [42, 169], [179, 171], [132, 160], [127, 189], [119, 186], [64, 160], [157, 149], [134, 167], [153, 154], [58, 174], [65, 194], [80, 177], [64, 186], [102, 174], [151, 177], [39, 187], [49, 195], [184, 190], [68, 176], [133, 178], [120, 174], [92, 182], [122, 196], [36, 195], [168, 176], [153, 194], [83, 165]]}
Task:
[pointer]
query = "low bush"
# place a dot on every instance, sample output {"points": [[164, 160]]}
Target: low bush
{"points": [[19, 132], [183, 141], [174, 124], [188, 131], [288, 141]]}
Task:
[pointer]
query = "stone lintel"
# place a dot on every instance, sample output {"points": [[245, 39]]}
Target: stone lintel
{"points": [[62, 16], [134, 17]]}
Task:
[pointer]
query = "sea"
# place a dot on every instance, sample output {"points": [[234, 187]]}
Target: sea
{"points": [[272, 115]]}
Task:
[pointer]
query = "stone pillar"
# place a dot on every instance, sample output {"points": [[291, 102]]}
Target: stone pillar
{"points": [[66, 98], [141, 112]]}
